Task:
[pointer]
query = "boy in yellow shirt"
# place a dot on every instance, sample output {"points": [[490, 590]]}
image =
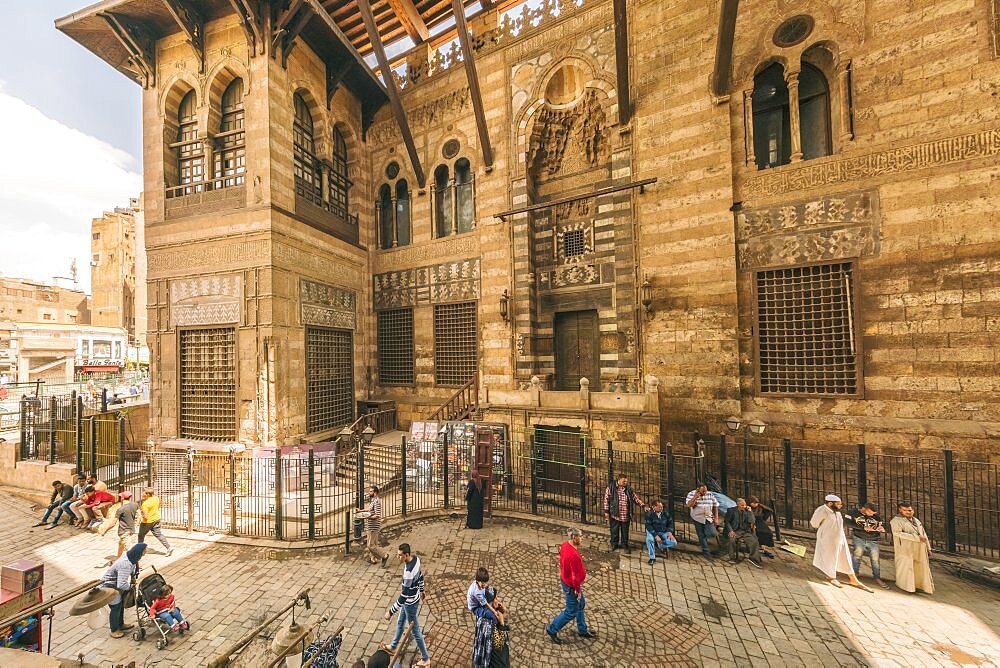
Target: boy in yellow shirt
{"points": [[150, 510]]}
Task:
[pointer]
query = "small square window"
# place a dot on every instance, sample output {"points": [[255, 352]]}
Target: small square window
{"points": [[574, 243], [96, 235]]}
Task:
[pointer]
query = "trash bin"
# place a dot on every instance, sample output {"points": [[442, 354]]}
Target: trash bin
{"points": [[359, 525]]}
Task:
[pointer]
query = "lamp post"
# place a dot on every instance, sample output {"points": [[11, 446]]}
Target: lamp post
{"points": [[646, 297], [756, 427], [505, 306]]}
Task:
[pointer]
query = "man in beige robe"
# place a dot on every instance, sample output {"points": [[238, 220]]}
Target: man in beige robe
{"points": [[832, 552], [912, 551]]}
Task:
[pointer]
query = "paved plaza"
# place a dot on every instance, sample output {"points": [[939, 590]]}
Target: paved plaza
{"points": [[682, 611]]}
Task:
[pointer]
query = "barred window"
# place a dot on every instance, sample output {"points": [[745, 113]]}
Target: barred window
{"points": [[574, 243], [395, 347], [806, 328], [308, 177], [190, 154], [208, 384], [230, 159], [339, 181], [455, 348], [329, 379]]}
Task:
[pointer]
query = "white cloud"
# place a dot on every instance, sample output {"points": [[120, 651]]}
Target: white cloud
{"points": [[53, 181]]}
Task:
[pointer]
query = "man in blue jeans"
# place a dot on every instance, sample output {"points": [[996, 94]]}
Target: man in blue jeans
{"points": [[572, 573], [868, 530], [659, 531], [705, 513], [60, 494], [408, 603]]}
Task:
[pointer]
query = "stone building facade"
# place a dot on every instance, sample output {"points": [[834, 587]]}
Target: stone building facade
{"points": [[114, 250], [820, 249]]}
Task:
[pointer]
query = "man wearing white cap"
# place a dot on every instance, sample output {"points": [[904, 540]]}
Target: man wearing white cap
{"points": [[832, 552]]}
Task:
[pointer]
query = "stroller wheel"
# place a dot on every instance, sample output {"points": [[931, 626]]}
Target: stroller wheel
{"points": [[139, 634], [161, 643]]}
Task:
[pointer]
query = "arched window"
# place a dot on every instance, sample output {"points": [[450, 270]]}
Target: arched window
{"points": [[190, 153], [464, 199], [771, 130], [385, 216], [308, 177], [444, 213], [402, 213], [814, 112], [230, 159], [339, 183]]}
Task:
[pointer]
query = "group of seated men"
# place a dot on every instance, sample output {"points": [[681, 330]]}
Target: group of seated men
{"points": [[84, 503]]}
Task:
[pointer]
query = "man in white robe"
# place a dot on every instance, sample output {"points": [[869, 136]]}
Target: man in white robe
{"points": [[912, 551], [832, 552]]}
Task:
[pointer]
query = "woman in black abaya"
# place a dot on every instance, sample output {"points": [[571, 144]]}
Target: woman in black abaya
{"points": [[474, 501]]}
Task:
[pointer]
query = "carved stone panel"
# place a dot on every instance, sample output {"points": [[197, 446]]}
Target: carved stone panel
{"points": [[830, 228], [327, 305], [827, 172], [436, 284], [205, 300]]}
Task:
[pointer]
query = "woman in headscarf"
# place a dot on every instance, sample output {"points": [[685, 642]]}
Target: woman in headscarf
{"points": [[474, 500], [762, 515], [119, 577]]}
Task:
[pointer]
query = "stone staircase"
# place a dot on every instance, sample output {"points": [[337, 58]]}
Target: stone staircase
{"points": [[383, 462]]}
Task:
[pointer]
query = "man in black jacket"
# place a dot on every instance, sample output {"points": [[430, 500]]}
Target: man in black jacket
{"points": [[60, 494], [659, 531], [741, 525], [618, 501]]}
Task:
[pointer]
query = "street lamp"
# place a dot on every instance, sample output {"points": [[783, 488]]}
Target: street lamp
{"points": [[505, 306], [755, 427], [646, 297], [367, 434]]}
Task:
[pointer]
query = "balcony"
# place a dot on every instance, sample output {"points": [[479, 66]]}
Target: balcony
{"points": [[325, 216], [192, 199]]}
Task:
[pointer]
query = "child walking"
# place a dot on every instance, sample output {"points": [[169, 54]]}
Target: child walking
{"points": [[164, 608]]}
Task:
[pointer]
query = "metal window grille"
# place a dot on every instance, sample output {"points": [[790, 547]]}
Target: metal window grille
{"points": [[230, 159], [308, 178], [208, 384], [190, 155], [574, 243], [338, 179], [395, 347], [455, 348], [329, 378], [806, 330]]}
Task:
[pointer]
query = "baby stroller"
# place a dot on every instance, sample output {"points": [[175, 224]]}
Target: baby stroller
{"points": [[146, 591]]}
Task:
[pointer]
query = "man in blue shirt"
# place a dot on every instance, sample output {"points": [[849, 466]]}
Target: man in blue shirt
{"points": [[659, 531]]}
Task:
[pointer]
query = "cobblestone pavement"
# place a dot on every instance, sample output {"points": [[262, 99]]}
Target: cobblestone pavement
{"points": [[681, 611]]}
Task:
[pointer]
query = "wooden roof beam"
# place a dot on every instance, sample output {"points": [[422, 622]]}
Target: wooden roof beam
{"points": [[192, 25], [252, 21], [393, 90], [411, 20], [470, 73], [724, 50], [346, 43], [286, 16], [138, 43], [621, 60], [288, 37]]}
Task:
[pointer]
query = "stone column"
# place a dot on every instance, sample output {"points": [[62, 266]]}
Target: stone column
{"points": [[748, 123], [792, 79], [844, 82], [208, 156], [394, 225], [453, 186]]}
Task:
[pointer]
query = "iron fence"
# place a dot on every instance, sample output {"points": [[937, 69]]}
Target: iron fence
{"points": [[310, 491]]}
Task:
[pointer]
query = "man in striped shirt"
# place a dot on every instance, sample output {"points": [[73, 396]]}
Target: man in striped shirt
{"points": [[408, 603], [373, 525], [705, 513]]}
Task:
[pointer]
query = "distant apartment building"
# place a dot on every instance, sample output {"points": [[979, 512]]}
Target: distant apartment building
{"points": [[24, 300], [57, 352], [113, 269]]}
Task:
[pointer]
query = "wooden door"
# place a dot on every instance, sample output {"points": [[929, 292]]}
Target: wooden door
{"points": [[576, 349], [484, 466]]}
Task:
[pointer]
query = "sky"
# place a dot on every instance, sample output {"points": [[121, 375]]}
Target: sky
{"points": [[70, 143]]}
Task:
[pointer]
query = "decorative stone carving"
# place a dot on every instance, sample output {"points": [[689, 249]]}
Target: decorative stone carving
{"points": [[825, 172], [250, 253], [829, 228], [423, 116], [553, 128], [460, 246], [520, 344], [570, 275], [451, 281], [587, 229], [205, 300], [995, 26], [327, 305]]}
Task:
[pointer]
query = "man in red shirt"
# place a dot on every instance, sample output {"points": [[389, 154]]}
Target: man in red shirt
{"points": [[571, 576]]}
